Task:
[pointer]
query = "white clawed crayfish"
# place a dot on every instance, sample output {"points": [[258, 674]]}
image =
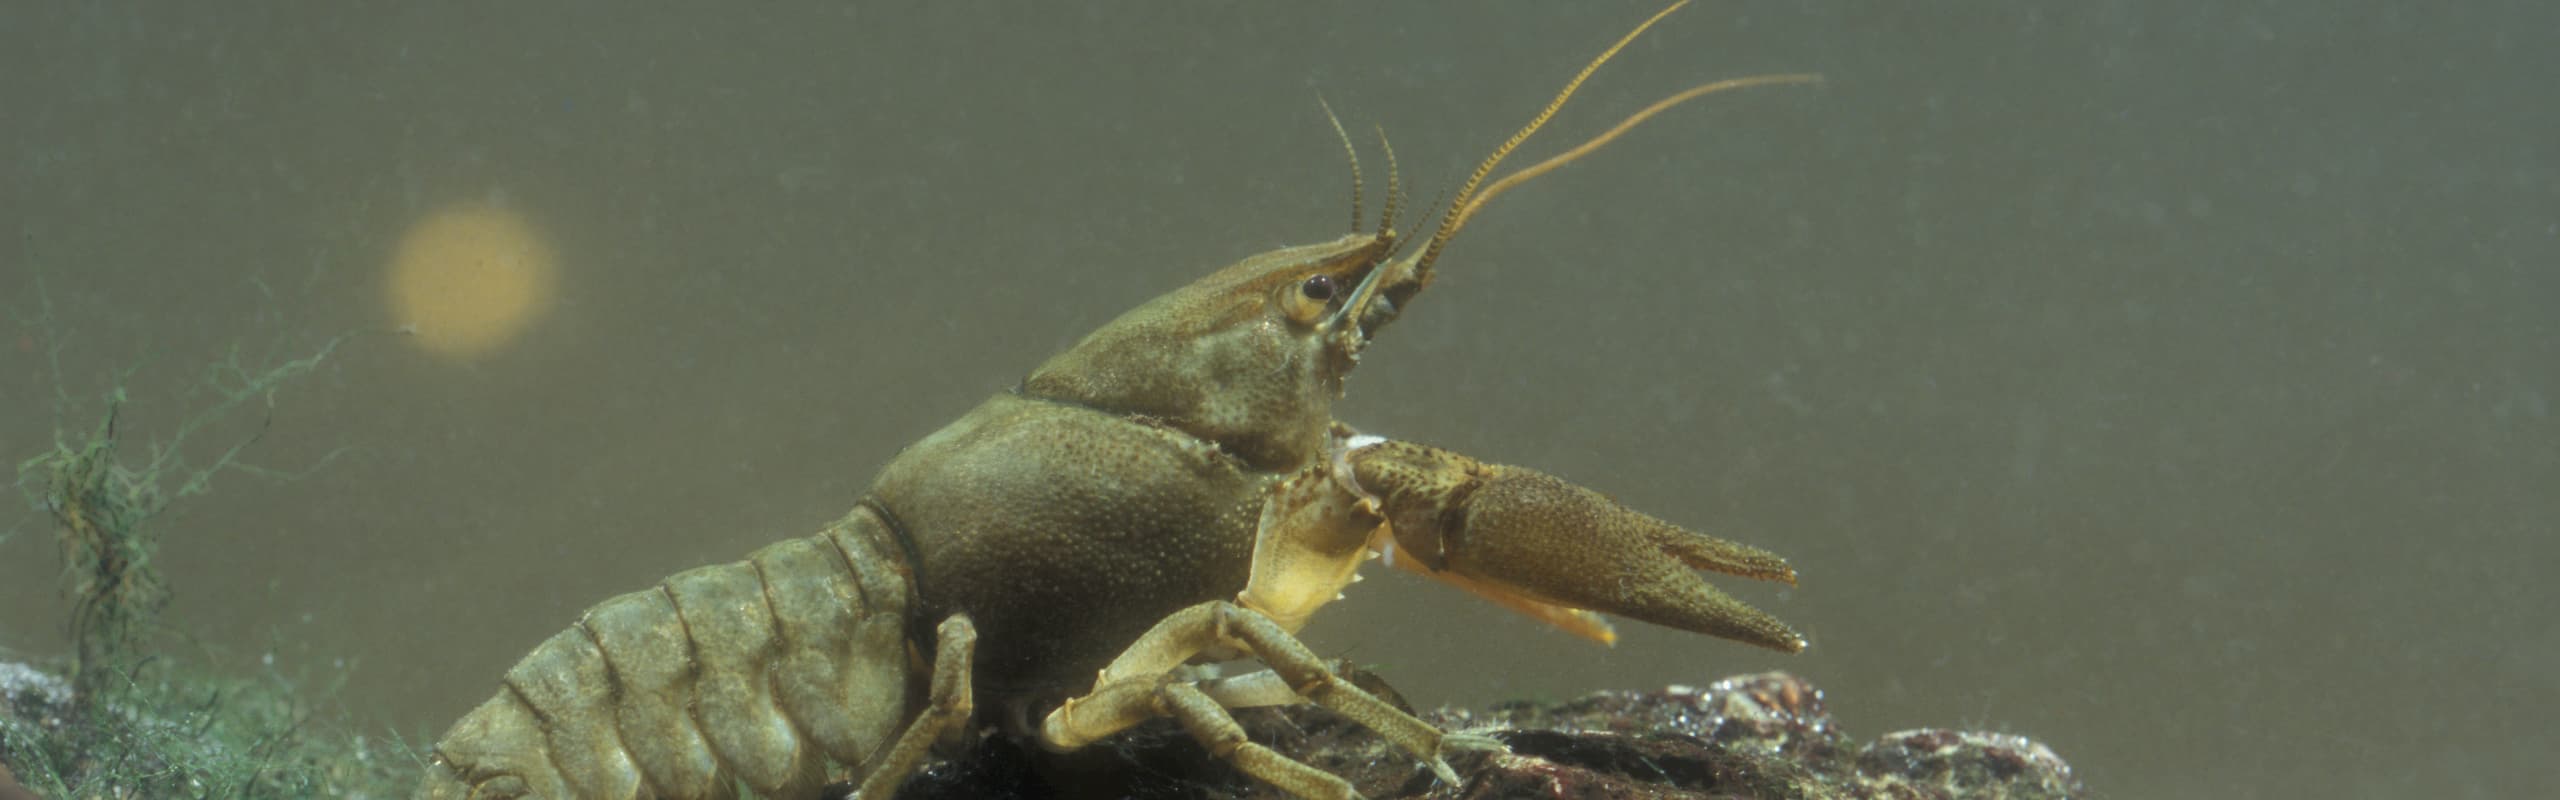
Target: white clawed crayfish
{"points": [[1173, 489]]}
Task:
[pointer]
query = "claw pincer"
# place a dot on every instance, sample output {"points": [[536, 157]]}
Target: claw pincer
{"points": [[1526, 538]]}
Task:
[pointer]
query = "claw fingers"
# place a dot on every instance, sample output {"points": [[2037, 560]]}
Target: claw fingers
{"points": [[1731, 558], [1552, 542]]}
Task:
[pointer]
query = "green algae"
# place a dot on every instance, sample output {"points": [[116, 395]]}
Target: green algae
{"points": [[122, 719]]}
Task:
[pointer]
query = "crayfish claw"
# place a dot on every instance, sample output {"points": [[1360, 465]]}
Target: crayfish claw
{"points": [[1542, 545]]}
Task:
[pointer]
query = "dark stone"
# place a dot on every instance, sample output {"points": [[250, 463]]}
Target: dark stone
{"points": [[1755, 736]]}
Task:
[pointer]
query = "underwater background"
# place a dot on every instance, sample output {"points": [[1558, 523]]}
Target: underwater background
{"points": [[2170, 382]]}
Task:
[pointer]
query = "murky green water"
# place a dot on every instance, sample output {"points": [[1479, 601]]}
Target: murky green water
{"points": [[2170, 382]]}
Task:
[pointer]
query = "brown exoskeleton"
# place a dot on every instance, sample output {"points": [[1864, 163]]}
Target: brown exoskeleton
{"points": [[1172, 489]]}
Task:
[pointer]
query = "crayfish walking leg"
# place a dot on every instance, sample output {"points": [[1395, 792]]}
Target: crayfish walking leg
{"points": [[1136, 687], [946, 711]]}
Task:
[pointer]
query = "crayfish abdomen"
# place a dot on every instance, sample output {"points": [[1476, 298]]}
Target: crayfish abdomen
{"points": [[763, 671]]}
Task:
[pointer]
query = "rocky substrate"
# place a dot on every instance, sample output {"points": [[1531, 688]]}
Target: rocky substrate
{"points": [[1755, 736], [181, 734]]}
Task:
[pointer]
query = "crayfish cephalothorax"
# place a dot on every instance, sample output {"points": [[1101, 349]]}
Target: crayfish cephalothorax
{"points": [[1173, 488]]}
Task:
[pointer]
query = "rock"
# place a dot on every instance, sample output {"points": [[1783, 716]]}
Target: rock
{"points": [[175, 731], [1755, 736]]}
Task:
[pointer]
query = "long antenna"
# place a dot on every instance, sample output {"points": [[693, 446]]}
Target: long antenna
{"points": [[1449, 224], [1596, 142]]}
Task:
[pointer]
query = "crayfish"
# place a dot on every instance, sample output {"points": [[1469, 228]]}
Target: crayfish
{"points": [[1171, 490]]}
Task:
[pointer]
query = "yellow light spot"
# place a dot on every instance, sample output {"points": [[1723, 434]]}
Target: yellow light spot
{"points": [[470, 279]]}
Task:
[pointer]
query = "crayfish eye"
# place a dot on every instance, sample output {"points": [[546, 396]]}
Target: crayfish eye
{"points": [[1306, 304], [1318, 288]]}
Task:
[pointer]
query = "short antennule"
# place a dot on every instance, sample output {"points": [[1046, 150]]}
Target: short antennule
{"points": [[1395, 187], [1354, 153]]}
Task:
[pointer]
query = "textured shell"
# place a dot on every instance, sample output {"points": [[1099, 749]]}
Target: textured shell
{"points": [[774, 672]]}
